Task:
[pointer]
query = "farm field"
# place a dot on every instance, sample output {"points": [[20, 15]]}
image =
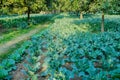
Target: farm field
{"points": [[16, 25], [12, 37], [59, 39], [69, 49]]}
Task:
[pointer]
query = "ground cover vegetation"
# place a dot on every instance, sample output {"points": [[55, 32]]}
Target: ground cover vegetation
{"points": [[71, 51], [72, 48], [21, 21], [15, 26]]}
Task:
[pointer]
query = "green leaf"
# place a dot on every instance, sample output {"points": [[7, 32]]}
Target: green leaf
{"points": [[8, 63], [3, 73], [81, 74], [15, 56], [34, 77]]}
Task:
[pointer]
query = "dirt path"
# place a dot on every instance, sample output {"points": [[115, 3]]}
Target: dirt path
{"points": [[4, 48]]}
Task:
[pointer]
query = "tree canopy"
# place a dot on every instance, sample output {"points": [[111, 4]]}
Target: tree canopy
{"points": [[83, 6]]}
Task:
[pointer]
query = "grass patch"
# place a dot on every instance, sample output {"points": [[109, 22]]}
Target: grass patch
{"points": [[10, 34], [12, 49], [18, 45]]}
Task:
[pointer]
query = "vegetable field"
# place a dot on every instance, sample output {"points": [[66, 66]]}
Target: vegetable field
{"points": [[21, 21], [69, 49]]}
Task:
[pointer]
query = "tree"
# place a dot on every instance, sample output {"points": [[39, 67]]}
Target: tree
{"points": [[28, 6], [60, 5], [101, 7], [114, 7], [33, 5], [75, 6], [65, 5], [80, 6], [49, 4], [56, 6], [1, 3], [6, 6]]}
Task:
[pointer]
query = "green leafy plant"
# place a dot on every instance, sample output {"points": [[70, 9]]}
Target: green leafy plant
{"points": [[3, 73], [71, 52]]}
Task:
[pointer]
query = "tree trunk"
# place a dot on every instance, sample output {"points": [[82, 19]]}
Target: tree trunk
{"points": [[81, 15], [102, 23], [28, 15], [1, 2], [59, 10]]}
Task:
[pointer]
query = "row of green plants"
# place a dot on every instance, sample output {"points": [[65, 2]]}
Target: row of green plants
{"points": [[71, 52], [22, 22], [9, 64], [93, 23]]}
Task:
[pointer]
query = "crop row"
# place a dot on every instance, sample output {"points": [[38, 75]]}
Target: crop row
{"points": [[70, 52], [21, 21], [93, 23]]}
